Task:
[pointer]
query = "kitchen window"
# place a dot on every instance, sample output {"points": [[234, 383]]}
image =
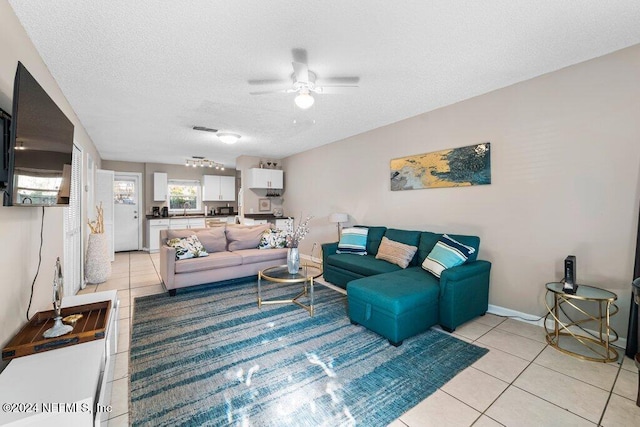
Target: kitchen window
{"points": [[184, 196]]}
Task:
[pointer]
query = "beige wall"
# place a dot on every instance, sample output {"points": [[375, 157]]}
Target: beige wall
{"points": [[565, 180], [20, 226]]}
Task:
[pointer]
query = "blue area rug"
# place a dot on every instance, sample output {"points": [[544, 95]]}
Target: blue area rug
{"points": [[210, 356]]}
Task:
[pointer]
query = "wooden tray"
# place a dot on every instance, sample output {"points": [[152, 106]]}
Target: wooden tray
{"points": [[30, 339]]}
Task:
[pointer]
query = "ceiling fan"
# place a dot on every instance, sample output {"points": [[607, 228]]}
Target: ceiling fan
{"points": [[304, 82]]}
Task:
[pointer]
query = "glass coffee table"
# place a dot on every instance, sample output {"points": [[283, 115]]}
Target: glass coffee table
{"points": [[280, 274]]}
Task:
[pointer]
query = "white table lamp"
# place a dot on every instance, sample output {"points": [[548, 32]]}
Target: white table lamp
{"points": [[338, 218]]}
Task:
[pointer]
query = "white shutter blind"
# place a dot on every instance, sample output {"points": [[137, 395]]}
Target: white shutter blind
{"points": [[73, 273]]}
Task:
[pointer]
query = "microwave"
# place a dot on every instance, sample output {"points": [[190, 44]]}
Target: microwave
{"points": [[225, 210]]}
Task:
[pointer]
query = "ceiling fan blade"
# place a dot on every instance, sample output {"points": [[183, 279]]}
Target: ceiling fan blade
{"points": [[268, 82], [299, 55], [301, 71], [330, 90], [339, 80], [266, 92]]}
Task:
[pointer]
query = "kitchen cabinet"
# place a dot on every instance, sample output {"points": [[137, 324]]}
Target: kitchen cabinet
{"points": [[265, 178], [183, 223], [218, 187], [153, 231], [160, 184], [155, 225]]}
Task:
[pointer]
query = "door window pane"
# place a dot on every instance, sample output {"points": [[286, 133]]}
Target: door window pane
{"points": [[124, 192]]}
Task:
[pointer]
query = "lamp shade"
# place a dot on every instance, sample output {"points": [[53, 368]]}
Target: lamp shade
{"points": [[338, 217]]}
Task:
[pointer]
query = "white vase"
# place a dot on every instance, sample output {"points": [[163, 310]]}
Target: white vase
{"points": [[293, 260], [98, 263]]}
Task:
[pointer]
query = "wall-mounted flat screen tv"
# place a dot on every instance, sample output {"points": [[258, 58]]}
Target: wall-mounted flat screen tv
{"points": [[40, 147], [5, 125]]}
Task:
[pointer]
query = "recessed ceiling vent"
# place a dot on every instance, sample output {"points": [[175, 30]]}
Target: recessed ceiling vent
{"points": [[205, 129]]}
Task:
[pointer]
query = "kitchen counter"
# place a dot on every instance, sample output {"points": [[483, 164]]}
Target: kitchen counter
{"points": [[191, 216], [265, 216]]}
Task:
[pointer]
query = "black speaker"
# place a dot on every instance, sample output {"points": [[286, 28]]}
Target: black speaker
{"points": [[570, 281]]}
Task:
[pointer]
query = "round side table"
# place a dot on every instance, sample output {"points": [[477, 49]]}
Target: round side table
{"points": [[583, 345]]}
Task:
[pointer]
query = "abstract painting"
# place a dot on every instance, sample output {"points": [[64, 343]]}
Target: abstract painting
{"points": [[456, 167]]}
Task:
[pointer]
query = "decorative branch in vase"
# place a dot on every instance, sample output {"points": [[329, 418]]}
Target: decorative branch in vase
{"points": [[97, 226], [293, 238], [98, 260]]}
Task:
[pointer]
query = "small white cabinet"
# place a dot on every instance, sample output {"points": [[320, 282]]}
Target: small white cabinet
{"points": [[153, 231], [78, 376], [218, 187], [265, 178], [160, 184]]}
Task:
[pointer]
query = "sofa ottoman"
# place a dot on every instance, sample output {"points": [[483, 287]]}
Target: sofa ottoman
{"points": [[395, 305]]}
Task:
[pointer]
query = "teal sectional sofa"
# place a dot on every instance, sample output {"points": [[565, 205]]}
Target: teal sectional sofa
{"points": [[398, 303]]}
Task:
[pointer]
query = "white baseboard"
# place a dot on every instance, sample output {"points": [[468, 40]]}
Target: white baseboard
{"points": [[311, 258], [516, 315], [531, 319], [536, 320]]}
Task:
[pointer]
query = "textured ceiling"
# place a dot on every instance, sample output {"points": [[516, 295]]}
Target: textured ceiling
{"points": [[140, 74]]}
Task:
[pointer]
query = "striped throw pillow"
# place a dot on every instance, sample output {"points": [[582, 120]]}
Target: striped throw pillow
{"points": [[446, 253], [396, 252], [353, 241]]}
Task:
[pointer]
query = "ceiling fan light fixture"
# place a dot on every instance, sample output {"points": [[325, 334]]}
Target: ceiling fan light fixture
{"points": [[304, 99], [228, 137]]}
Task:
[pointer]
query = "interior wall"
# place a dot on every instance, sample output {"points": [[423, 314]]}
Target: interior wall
{"points": [[565, 180], [20, 226]]}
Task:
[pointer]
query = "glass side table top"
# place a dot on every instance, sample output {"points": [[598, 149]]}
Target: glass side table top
{"points": [[584, 292], [280, 273]]}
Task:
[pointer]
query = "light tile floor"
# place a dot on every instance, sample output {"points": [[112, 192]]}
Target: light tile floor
{"points": [[520, 382]]}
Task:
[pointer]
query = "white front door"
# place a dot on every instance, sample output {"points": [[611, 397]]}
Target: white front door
{"points": [[126, 205]]}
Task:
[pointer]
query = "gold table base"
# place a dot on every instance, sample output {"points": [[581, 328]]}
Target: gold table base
{"points": [[598, 348], [303, 278], [293, 300]]}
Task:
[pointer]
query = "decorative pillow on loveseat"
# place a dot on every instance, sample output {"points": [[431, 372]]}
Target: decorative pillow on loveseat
{"points": [[445, 254], [187, 247], [245, 237], [396, 252], [213, 239], [353, 241], [272, 239]]}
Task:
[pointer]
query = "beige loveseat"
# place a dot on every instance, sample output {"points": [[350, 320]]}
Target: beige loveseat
{"points": [[233, 253]]}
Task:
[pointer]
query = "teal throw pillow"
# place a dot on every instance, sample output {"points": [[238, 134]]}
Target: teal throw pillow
{"points": [[353, 241], [187, 247], [445, 254]]}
